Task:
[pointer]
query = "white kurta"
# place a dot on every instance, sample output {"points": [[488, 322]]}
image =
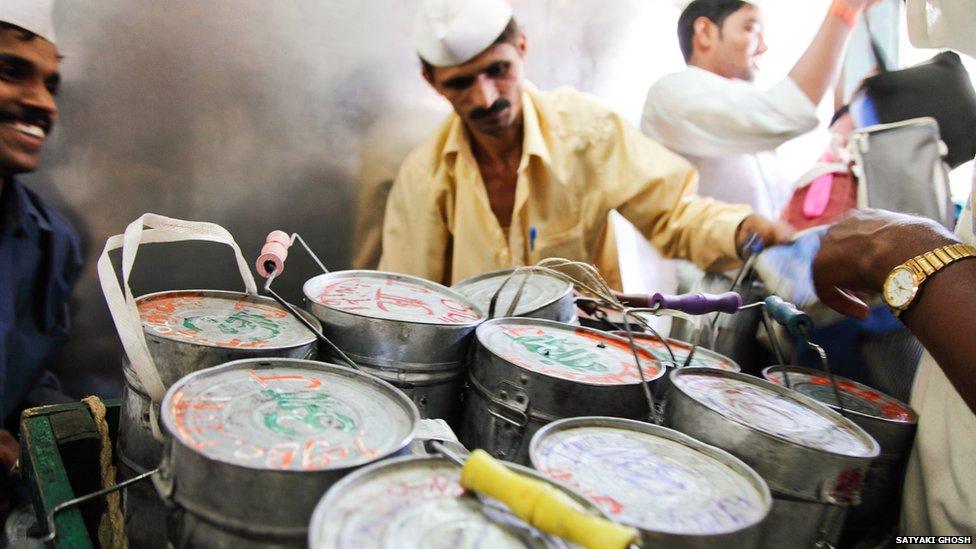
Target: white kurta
{"points": [[730, 129], [940, 484]]}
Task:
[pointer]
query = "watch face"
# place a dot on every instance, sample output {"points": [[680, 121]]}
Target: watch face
{"points": [[900, 287]]}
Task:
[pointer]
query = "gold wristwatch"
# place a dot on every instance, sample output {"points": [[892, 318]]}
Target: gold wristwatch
{"points": [[904, 281]]}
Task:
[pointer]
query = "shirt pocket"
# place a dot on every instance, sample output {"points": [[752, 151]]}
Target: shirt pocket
{"points": [[568, 244]]}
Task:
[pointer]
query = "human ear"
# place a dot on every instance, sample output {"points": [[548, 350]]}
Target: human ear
{"points": [[704, 35]]}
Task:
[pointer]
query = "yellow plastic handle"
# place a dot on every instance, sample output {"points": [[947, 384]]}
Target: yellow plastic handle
{"points": [[542, 505]]}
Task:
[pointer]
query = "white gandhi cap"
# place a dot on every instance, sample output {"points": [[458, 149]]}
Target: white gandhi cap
{"points": [[31, 15], [452, 32], [942, 24]]}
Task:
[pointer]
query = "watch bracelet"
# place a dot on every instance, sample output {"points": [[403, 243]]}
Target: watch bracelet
{"points": [[930, 262]]}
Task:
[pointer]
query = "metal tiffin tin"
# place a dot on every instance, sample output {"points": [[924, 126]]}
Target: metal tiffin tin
{"points": [[187, 331], [542, 295], [677, 491], [253, 444], [414, 502], [405, 330], [891, 422], [527, 372], [813, 459]]}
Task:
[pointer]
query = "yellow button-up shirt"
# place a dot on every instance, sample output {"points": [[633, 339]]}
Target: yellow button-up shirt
{"points": [[579, 161]]}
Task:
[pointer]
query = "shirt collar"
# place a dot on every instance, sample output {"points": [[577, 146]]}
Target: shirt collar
{"points": [[16, 207], [533, 140]]}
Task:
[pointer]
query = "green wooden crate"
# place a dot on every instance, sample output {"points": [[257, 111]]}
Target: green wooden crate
{"points": [[59, 461]]}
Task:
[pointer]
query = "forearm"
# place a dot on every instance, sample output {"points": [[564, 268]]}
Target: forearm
{"points": [[817, 69], [943, 320], [702, 231], [857, 254]]}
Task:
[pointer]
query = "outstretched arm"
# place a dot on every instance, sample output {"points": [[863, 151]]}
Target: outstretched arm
{"points": [[818, 67], [857, 254]]}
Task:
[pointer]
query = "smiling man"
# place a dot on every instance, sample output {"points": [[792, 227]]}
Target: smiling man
{"points": [[517, 175], [712, 114], [39, 253]]}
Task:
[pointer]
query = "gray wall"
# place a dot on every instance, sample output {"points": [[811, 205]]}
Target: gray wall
{"points": [[256, 115]]}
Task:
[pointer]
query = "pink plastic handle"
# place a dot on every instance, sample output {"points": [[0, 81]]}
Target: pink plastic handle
{"points": [[818, 196], [273, 254]]}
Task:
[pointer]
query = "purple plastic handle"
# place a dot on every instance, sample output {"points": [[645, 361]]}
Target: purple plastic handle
{"points": [[698, 303]]}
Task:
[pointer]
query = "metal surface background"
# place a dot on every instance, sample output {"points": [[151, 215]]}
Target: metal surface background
{"points": [[260, 115]]}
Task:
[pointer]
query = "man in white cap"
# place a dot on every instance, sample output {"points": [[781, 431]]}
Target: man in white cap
{"points": [[39, 253], [517, 175]]}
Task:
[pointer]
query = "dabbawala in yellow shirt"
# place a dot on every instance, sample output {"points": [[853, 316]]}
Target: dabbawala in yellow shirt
{"points": [[579, 161]]}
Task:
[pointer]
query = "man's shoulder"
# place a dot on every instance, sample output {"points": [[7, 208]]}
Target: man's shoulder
{"points": [[58, 223], [689, 81], [52, 215], [573, 112], [426, 159]]}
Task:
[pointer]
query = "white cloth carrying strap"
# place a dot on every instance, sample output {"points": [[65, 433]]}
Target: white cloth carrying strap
{"points": [[122, 306]]}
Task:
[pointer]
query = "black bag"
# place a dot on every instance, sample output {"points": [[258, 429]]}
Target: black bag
{"points": [[939, 88]]}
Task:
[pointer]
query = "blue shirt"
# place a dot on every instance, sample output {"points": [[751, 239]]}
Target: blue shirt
{"points": [[40, 260]]}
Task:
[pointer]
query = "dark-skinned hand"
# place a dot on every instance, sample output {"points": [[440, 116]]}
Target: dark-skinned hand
{"points": [[857, 254]]}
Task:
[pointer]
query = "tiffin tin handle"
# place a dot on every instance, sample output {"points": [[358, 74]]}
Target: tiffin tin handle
{"points": [[271, 261], [794, 320], [152, 228], [52, 527], [515, 434], [541, 504], [519, 423], [273, 254], [698, 303]]}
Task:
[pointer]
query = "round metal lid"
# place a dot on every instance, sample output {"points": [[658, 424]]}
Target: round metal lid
{"points": [[288, 414], [391, 296], [565, 351], [774, 410], [217, 318], [539, 291], [416, 502], [704, 358], [858, 398], [650, 477]]}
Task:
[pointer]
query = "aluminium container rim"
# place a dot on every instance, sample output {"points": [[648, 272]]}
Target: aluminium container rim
{"points": [[415, 279], [393, 392], [327, 501], [662, 370], [858, 431], [698, 348], [737, 465], [491, 274], [214, 293], [801, 370]]}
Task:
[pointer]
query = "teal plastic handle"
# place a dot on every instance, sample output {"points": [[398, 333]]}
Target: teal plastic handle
{"points": [[794, 320]]}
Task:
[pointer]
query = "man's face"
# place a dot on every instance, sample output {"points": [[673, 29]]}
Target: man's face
{"points": [[28, 82], [486, 92], [739, 44]]}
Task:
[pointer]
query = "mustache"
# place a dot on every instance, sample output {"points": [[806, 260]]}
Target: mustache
{"points": [[27, 115], [498, 106]]}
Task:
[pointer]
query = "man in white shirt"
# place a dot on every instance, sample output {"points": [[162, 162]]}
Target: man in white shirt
{"points": [[712, 114]]}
